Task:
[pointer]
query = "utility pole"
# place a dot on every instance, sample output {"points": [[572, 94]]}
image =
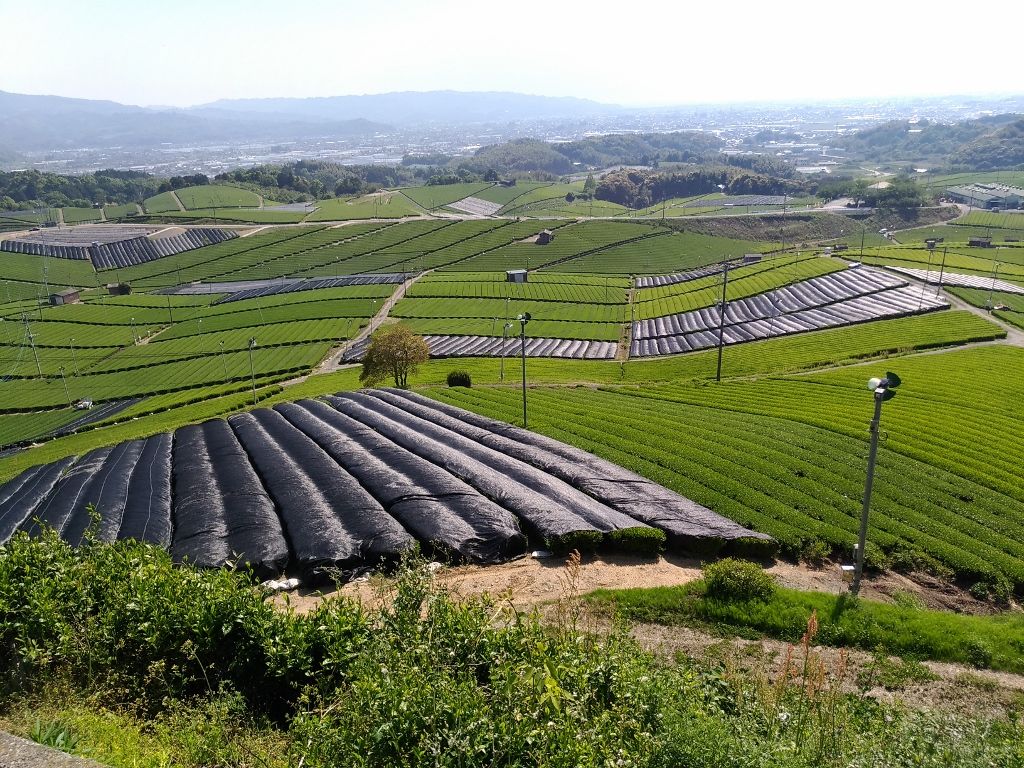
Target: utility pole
{"points": [[523, 320], [504, 337], [992, 286], [170, 314], [35, 354], [135, 336], [223, 361], [882, 389], [721, 321], [66, 393], [252, 369], [74, 357], [942, 271]]}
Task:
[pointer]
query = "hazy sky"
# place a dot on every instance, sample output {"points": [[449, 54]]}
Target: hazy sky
{"points": [[184, 52]]}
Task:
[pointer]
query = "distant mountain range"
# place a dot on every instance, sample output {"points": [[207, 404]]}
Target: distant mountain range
{"points": [[416, 108], [40, 123]]}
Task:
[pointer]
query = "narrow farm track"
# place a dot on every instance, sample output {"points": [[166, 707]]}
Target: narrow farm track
{"points": [[332, 362], [181, 206]]}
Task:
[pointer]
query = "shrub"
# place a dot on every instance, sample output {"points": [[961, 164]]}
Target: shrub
{"points": [[731, 579], [642, 541], [459, 379], [815, 552], [979, 653]]}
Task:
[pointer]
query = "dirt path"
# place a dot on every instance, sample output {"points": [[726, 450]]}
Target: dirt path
{"points": [[332, 362], [181, 206], [547, 585]]}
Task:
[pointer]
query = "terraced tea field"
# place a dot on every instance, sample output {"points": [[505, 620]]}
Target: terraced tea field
{"points": [[217, 196], [785, 456]]}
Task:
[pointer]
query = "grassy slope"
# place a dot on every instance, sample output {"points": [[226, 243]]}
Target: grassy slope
{"points": [[988, 641]]}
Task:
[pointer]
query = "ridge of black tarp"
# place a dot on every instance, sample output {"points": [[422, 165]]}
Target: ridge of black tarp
{"points": [[330, 519], [439, 509], [147, 509], [106, 491], [67, 494], [543, 505], [683, 519], [221, 512], [20, 496]]}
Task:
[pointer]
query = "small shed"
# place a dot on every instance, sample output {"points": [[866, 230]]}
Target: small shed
{"points": [[67, 296], [119, 289], [545, 236], [979, 242], [752, 258], [516, 276]]}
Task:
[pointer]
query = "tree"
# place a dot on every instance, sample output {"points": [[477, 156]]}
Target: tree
{"points": [[393, 351]]}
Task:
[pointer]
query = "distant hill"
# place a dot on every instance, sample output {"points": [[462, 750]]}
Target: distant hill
{"points": [[35, 123], [409, 107], [971, 144]]}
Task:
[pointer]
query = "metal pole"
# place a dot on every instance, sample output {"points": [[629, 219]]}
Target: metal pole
{"points": [[74, 357], [252, 369], [135, 336], [225, 363], [66, 393], [924, 283], [992, 286], [942, 271], [504, 339], [35, 354], [721, 322], [868, 483], [522, 336], [170, 314]]}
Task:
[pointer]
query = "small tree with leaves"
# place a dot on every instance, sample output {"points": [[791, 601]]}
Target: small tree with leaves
{"points": [[393, 351]]}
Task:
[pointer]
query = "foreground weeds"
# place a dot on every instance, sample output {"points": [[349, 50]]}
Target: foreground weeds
{"points": [[155, 664]]}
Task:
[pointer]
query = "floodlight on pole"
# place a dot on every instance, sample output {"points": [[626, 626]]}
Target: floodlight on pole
{"points": [[523, 319], [135, 336], [74, 357], [882, 389], [942, 271]]}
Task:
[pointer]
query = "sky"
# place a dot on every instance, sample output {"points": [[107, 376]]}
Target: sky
{"points": [[186, 52]]}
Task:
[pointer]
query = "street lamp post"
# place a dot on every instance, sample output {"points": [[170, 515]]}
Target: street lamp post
{"points": [[523, 319], [252, 369], [882, 390]]}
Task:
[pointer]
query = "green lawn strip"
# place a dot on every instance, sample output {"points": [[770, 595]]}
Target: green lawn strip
{"points": [[676, 251], [161, 203], [19, 395], [440, 195], [202, 263], [17, 427], [996, 642], [383, 205], [217, 195]]}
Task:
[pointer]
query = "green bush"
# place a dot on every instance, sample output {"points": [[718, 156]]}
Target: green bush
{"points": [[641, 541], [731, 579], [459, 379]]}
